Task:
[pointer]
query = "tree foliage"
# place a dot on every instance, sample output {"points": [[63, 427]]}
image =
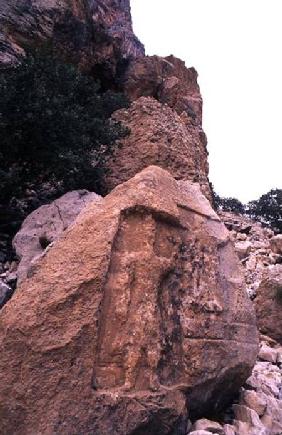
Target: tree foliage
{"points": [[55, 135], [228, 204], [268, 209], [55, 126]]}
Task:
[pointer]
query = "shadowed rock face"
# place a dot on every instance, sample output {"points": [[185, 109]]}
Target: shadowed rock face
{"points": [[90, 32], [139, 307]]}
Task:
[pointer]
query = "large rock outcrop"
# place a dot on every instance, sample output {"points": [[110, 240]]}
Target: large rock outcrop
{"points": [[158, 136], [43, 226], [138, 310], [93, 33]]}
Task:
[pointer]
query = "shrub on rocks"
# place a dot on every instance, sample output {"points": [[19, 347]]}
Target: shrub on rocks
{"points": [[55, 131]]}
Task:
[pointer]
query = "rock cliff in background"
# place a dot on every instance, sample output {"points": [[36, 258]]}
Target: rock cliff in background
{"points": [[92, 33], [138, 306], [159, 136]]}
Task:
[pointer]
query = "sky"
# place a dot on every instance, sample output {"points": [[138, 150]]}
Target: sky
{"points": [[236, 47]]}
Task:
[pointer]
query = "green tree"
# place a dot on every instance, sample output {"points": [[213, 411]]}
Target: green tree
{"points": [[55, 135], [228, 204], [268, 209], [54, 126]]}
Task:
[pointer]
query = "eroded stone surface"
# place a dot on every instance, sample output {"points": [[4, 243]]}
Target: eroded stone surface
{"points": [[158, 136], [140, 301], [268, 303], [276, 244], [43, 226]]}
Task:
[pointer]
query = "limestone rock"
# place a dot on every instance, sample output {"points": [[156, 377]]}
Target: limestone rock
{"points": [[268, 303], [229, 429], [92, 33], [272, 418], [209, 426], [247, 421], [158, 136], [276, 244], [266, 378], [137, 306], [166, 79], [255, 401], [266, 353], [243, 249], [45, 225]]}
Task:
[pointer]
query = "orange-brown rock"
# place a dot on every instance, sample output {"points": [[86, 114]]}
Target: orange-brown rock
{"points": [[158, 136], [168, 80], [139, 306], [268, 303]]}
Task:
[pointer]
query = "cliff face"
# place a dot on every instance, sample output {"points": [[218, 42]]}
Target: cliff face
{"points": [[90, 32]]}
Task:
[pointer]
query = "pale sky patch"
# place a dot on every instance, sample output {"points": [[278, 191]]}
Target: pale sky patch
{"points": [[235, 45]]}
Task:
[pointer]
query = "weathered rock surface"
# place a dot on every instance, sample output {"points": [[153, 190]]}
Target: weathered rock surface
{"points": [[268, 303], [139, 304], [276, 244], [168, 80], [158, 136], [209, 426], [91, 32], [247, 421], [43, 226]]}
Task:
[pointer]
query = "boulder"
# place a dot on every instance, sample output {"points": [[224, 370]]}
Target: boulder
{"points": [[268, 303], [266, 353], [276, 244], [229, 429], [168, 80], [45, 225], [158, 136], [243, 249], [138, 309], [247, 421], [207, 425], [254, 400]]}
